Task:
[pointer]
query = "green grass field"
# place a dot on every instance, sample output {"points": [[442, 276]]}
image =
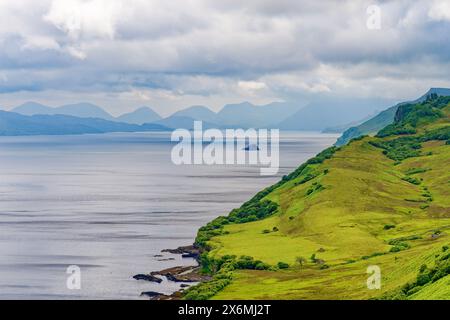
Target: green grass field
{"points": [[360, 209]]}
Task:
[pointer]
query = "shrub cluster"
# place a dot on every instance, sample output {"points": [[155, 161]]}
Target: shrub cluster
{"points": [[399, 246], [222, 274], [416, 170], [207, 289], [407, 119], [411, 180], [410, 116], [427, 275], [282, 265], [406, 147], [400, 148], [315, 187]]}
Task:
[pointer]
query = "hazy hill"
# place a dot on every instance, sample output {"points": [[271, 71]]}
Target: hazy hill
{"points": [[31, 108], [342, 128], [372, 126], [241, 115], [247, 115], [327, 112], [14, 124], [140, 116], [82, 110], [175, 122], [378, 201], [198, 113]]}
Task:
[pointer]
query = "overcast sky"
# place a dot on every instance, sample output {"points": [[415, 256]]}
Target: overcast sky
{"points": [[169, 54]]}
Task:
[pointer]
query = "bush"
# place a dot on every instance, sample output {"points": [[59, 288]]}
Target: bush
{"points": [[316, 187], [399, 246], [206, 290], [416, 170], [247, 262], [282, 265], [375, 254], [309, 176], [411, 180]]}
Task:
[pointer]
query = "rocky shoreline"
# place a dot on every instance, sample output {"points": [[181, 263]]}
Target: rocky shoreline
{"points": [[181, 274]]}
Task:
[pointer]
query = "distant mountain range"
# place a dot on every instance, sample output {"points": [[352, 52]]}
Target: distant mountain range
{"points": [[243, 115], [375, 124], [14, 124], [82, 110], [325, 114], [88, 110]]}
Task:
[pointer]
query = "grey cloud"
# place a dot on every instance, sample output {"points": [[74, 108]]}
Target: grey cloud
{"points": [[206, 48]]}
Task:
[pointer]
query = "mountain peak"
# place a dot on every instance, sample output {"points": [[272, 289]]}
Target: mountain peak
{"points": [[31, 107], [84, 110], [141, 115], [197, 112]]}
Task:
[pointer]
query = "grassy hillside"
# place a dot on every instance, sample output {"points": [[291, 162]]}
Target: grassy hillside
{"points": [[381, 200], [384, 118]]}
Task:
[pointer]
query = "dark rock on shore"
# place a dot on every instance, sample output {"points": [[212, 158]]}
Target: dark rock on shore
{"points": [[182, 274], [186, 251], [147, 277], [151, 293], [176, 274]]}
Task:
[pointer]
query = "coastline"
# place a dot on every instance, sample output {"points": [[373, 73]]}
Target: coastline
{"points": [[187, 276], [190, 276]]}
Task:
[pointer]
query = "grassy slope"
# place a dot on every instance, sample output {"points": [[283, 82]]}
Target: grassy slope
{"points": [[364, 192]]}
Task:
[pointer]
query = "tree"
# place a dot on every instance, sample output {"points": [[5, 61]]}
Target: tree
{"points": [[301, 261]]}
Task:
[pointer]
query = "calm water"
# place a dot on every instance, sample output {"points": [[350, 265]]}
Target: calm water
{"points": [[110, 203]]}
